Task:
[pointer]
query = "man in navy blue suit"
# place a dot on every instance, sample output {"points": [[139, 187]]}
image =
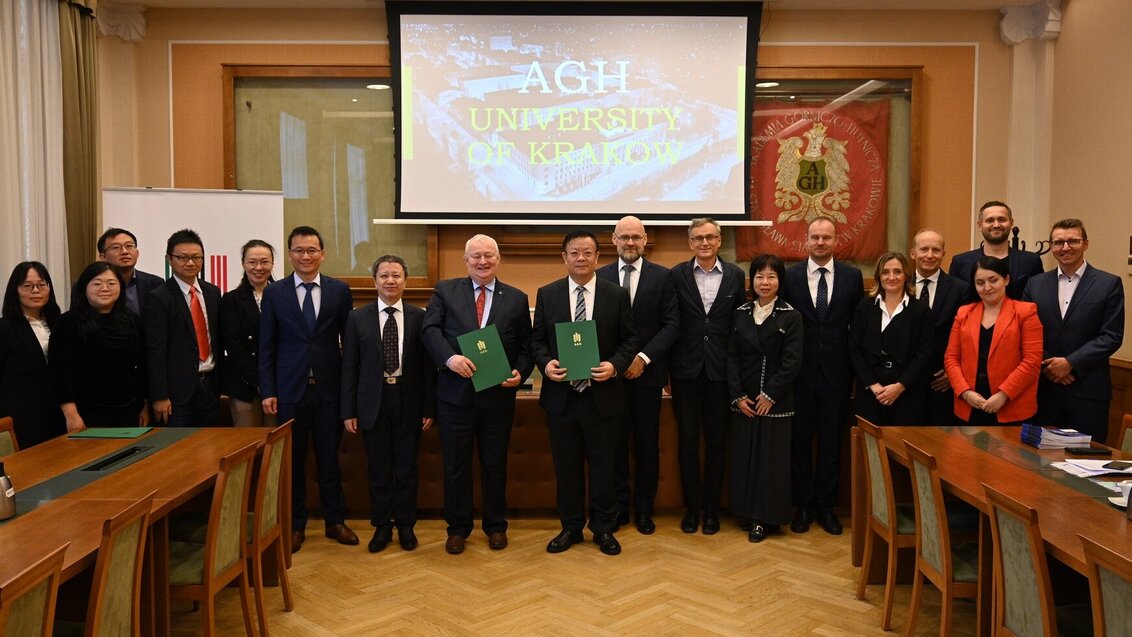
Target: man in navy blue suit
{"points": [[1082, 313], [300, 371], [944, 294], [996, 223], [656, 317], [826, 293]]}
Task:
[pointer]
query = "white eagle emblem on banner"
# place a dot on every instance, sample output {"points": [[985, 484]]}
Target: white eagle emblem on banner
{"points": [[814, 183]]}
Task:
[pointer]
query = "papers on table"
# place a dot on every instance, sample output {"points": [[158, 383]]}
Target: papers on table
{"points": [[1091, 469], [1051, 438]]}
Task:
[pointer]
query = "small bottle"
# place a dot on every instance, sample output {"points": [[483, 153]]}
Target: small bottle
{"points": [[7, 495]]}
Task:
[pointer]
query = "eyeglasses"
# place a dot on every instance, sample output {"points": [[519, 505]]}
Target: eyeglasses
{"points": [[188, 258], [635, 238], [1072, 243], [588, 254], [35, 287], [704, 238], [109, 284], [121, 247], [255, 263], [305, 252]]}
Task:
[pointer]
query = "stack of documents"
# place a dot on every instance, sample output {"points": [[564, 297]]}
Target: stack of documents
{"points": [[1051, 438], [1083, 468]]}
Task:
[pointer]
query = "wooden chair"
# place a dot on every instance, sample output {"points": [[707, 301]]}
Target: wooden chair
{"points": [[198, 572], [8, 442], [1126, 433], [1110, 587], [886, 519], [266, 530], [115, 594], [27, 601], [952, 567]]}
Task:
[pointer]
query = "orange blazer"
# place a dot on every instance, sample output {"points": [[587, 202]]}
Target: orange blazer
{"points": [[1013, 364]]}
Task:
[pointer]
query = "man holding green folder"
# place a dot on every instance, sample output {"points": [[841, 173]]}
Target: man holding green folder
{"points": [[583, 322]]}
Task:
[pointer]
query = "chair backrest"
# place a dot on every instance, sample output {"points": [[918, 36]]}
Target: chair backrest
{"points": [[27, 601], [1126, 433], [8, 442], [269, 486], [1110, 587], [882, 503], [228, 517], [1023, 594], [115, 591], [933, 540]]}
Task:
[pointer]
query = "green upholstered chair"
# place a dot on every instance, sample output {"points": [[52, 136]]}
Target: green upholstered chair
{"points": [[115, 593], [267, 517], [887, 520], [8, 442], [1110, 587], [952, 566], [27, 601], [198, 572], [1125, 433]]}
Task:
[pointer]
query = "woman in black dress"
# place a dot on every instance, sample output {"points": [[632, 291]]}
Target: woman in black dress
{"points": [[97, 356], [26, 391], [239, 325], [764, 357], [890, 347]]}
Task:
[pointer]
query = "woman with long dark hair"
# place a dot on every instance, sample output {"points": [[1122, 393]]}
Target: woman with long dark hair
{"points": [[239, 324], [97, 356], [26, 391]]}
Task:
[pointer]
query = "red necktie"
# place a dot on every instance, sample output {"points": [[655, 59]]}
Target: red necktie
{"points": [[481, 302], [199, 324]]}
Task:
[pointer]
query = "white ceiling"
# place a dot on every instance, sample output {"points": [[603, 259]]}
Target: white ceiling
{"points": [[797, 5]]}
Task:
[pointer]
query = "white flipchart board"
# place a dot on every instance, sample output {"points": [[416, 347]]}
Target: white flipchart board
{"points": [[224, 219]]}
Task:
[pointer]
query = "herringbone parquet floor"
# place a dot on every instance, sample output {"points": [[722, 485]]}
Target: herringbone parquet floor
{"points": [[665, 584]]}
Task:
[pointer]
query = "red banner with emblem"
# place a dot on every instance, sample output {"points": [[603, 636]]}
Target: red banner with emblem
{"points": [[815, 160]]}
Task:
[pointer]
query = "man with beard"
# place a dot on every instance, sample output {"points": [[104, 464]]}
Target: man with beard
{"points": [[996, 222], [656, 317]]}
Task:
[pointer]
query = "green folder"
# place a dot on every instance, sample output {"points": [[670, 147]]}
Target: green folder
{"points": [[486, 352], [111, 432], [577, 348]]}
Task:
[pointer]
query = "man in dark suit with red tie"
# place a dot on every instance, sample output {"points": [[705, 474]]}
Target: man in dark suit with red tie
{"points": [[656, 317], [584, 413], [300, 373], [467, 418], [826, 292], [944, 294], [181, 324]]}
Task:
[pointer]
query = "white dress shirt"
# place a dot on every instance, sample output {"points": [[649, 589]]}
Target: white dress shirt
{"points": [[812, 276], [1067, 285], [208, 364], [398, 318]]}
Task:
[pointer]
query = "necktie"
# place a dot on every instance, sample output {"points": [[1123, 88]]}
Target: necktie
{"points": [[199, 325], [924, 296], [481, 302], [627, 280], [580, 315], [308, 306], [822, 304], [389, 342]]}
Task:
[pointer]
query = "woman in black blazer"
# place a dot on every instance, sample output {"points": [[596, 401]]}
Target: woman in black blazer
{"points": [[890, 346], [239, 325], [26, 391], [764, 357]]}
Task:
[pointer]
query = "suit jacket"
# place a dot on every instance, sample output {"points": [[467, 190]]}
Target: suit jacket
{"points": [[767, 358], [452, 313], [616, 338], [172, 355], [950, 294], [656, 317], [901, 353], [825, 356], [1023, 265], [363, 368], [239, 333], [288, 351], [702, 343], [1013, 363], [1091, 332], [27, 392]]}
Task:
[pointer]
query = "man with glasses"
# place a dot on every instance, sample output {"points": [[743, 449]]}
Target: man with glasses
{"points": [[996, 223], [656, 317], [300, 371], [1082, 313], [119, 248], [708, 289], [181, 325]]}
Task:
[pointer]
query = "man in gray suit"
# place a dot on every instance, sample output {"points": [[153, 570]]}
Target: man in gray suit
{"points": [[1082, 313]]}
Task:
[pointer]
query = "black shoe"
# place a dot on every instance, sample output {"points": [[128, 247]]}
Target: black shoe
{"points": [[802, 520], [690, 522], [757, 534], [828, 521], [645, 525], [607, 543], [711, 523], [381, 538], [563, 541], [407, 538]]}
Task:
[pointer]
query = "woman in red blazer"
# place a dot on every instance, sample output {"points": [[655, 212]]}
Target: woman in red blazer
{"points": [[994, 356]]}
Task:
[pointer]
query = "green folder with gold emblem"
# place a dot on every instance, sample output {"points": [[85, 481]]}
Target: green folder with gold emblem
{"points": [[486, 352], [577, 348]]}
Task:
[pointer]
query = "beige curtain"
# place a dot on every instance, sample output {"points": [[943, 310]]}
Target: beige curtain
{"points": [[80, 119]]}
